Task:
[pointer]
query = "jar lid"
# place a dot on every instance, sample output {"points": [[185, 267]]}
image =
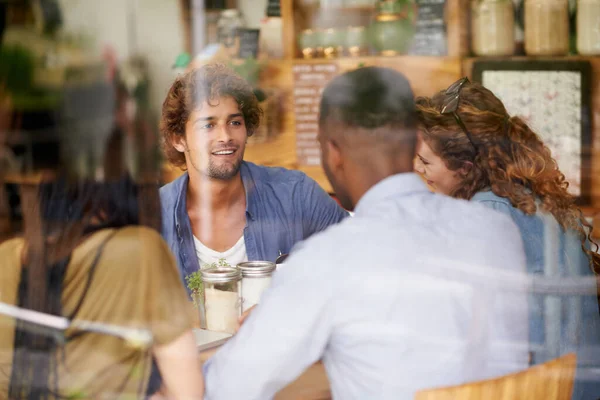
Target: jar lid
{"points": [[221, 275], [256, 269], [230, 13]]}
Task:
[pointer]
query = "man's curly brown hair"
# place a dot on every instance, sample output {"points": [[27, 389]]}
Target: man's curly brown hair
{"points": [[208, 83], [510, 159]]}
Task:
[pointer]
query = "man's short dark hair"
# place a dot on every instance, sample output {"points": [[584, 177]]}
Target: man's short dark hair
{"points": [[207, 83], [370, 98]]}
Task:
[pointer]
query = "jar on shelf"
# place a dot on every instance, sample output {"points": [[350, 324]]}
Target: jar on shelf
{"points": [[359, 3], [222, 298], [227, 30], [588, 27], [546, 27], [332, 40], [392, 31], [308, 43], [492, 27], [357, 42], [256, 277]]}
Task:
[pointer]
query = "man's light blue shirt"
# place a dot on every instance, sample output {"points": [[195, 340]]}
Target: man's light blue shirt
{"points": [[416, 291]]}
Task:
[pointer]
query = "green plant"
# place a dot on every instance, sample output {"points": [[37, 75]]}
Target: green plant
{"points": [[249, 69], [194, 280], [16, 69]]}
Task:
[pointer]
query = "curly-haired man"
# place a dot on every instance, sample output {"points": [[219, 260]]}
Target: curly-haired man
{"points": [[223, 206]]}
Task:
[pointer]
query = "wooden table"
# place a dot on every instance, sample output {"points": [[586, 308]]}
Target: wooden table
{"points": [[311, 385]]}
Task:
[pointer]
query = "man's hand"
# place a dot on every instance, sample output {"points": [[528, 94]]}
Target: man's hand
{"points": [[243, 317]]}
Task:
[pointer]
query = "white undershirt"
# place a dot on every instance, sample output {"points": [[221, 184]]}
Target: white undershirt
{"points": [[233, 256]]}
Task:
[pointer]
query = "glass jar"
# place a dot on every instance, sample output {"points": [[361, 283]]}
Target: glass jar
{"points": [[359, 3], [222, 298], [256, 277], [546, 27], [357, 43], [227, 29], [308, 43], [393, 29], [493, 27], [588, 27], [332, 43]]}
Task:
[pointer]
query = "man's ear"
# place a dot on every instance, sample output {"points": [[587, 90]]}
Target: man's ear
{"points": [[466, 168], [179, 143], [334, 153]]}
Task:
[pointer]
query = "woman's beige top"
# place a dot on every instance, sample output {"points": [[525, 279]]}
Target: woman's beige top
{"points": [[136, 284]]}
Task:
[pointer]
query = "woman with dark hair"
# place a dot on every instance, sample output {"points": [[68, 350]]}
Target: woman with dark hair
{"points": [[470, 148], [88, 259]]}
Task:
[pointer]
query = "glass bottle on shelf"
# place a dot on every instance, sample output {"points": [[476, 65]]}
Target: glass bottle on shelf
{"points": [[392, 31], [333, 42], [308, 42], [357, 43], [493, 27], [546, 27], [359, 3], [588, 27], [227, 30]]}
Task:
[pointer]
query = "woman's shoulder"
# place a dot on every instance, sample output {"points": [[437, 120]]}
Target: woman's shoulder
{"points": [[11, 251], [492, 200], [136, 241], [132, 246], [11, 245], [489, 196], [139, 234]]}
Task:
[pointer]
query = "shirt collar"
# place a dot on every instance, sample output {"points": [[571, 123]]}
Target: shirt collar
{"points": [[249, 188], [393, 186]]}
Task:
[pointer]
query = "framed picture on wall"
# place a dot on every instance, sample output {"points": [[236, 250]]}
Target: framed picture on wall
{"points": [[553, 97]]}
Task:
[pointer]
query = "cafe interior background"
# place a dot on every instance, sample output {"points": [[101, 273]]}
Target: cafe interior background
{"points": [[288, 50], [533, 54]]}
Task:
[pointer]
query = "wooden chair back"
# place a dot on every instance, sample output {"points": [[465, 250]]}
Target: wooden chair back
{"points": [[552, 380]]}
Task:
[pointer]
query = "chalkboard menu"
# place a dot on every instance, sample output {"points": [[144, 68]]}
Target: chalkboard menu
{"points": [[430, 38], [273, 8], [309, 82], [248, 43]]}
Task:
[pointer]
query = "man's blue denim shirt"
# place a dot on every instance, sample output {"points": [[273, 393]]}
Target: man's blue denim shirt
{"points": [[283, 207]]}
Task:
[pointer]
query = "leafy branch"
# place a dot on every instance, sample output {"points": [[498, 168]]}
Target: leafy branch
{"points": [[194, 280]]}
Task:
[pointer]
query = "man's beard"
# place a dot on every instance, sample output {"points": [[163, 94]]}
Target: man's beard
{"points": [[221, 172], [224, 172]]}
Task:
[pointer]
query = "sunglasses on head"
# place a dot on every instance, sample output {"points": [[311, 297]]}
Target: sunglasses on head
{"points": [[451, 103]]}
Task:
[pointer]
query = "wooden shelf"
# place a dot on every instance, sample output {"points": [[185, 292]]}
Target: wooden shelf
{"points": [[377, 59], [342, 9]]}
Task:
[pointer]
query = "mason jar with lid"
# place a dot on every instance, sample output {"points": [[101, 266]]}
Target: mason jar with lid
{"points": [[222, 298], [546, 27], [493, 27], [256, 277], [228, 27], [588, 27]]}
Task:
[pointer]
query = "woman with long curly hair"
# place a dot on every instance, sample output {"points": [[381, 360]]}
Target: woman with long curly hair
{"points": [[471, 148]]}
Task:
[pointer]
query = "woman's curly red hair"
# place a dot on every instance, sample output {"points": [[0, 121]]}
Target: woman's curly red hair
{"points": [[510, 158]]}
